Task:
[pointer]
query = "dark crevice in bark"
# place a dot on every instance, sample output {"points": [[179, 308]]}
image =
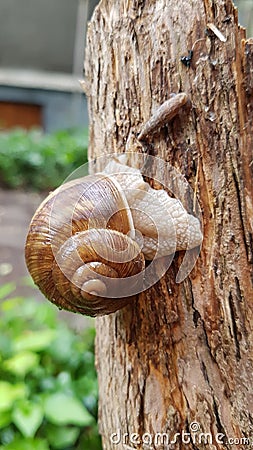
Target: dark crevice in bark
{"points": [[241, 209], [141, 415], [204, 371], [139, 5], [219, 425], [98, 84], [196, 317], [234, 330], [116, 128], [129, 375], [241, 302], [250, 256], [240, 295], [116, 327]]}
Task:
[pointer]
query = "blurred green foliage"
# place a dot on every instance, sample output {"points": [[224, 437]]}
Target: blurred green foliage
{"points": [[37, 161], [48, 385]]}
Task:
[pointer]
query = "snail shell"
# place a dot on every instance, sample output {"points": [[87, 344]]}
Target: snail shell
{"points": [[73, 252], [83, 247]]}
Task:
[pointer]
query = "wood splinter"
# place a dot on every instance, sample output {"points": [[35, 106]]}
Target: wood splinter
{"points": [[163, 115]]}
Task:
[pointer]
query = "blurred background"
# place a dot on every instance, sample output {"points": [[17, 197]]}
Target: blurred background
{"points": [[245, 11], [47, 357], [43, 111], [48, 384], [41, 59]]}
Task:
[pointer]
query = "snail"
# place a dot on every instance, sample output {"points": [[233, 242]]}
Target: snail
{"points": [[89, 239]]}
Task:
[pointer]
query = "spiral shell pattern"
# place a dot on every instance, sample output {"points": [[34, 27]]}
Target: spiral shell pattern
{"points": [[78, 249], [88, 241]]}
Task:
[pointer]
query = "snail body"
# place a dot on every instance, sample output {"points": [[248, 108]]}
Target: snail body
{"points": [[88, 241]]}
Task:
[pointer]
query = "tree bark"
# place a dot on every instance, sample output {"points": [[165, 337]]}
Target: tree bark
{"points": [[183, 352]]}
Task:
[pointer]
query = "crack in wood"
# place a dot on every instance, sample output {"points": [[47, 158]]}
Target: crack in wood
{"points": [[98, 83], [141, 415], [205, 373], [239, 192], [219, 425], [234, 330]]}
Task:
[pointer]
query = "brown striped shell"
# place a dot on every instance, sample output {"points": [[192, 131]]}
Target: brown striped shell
{"points": [[79, 250], [87, 241]]}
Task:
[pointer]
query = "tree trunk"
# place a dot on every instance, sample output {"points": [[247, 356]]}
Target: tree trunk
{"points": [[179, 360]]}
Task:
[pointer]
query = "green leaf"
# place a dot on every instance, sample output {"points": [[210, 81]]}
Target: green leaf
{"points": [[6, 289], [26, 444], [22, 363], [64, 381], [9, 393], [62, 437], [5, 419], [62, 409], [34, 340], [62, 347], [58, 365], [86, 385], [27, 417], [90, 439]]}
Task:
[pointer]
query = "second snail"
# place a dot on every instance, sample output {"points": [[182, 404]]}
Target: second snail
{"points": [[88, 241]]}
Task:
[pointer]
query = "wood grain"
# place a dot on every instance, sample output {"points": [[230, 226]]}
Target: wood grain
{"points": [[182, 352]]}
